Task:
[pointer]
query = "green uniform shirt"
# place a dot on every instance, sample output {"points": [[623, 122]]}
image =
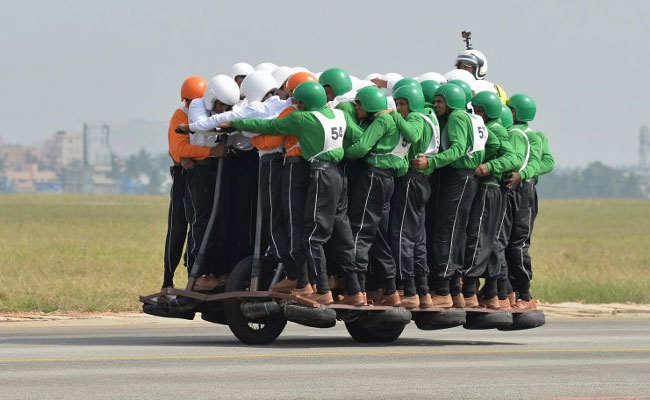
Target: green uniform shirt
{"points": [[349, 108], [379, 146], [535, 150], [459, 134], [546, 161], [417, 131], [306, 127], [505, 159]]}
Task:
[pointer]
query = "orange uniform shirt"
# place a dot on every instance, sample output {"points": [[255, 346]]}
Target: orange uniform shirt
{"points": [[270, 142], [179, 145]]}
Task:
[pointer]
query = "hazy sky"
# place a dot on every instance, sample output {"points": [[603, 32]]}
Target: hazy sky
{"points": [[586, 63]]}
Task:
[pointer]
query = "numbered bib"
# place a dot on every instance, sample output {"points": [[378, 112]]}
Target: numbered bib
{"points": [[434, 145], [480, 133], [333, 131], [400, 150], [522, 133]]}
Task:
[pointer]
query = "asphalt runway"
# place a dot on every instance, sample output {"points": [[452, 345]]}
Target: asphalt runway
{"points": [[154, 358]]}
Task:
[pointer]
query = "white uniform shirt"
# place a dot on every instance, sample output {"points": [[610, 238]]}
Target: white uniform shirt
{"points": [[197, 112], [256, 109]]}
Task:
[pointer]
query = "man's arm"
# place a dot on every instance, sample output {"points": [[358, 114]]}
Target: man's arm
{"points": [[352, 131], [506, 159], [535, 155], [285, 126], [365, 142], [412, 128]]}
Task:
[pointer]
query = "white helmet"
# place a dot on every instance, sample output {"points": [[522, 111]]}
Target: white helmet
{"points": [[361, 83], [476, 59], [392, 77], [460, 74], [372, 76], [432, 76], [484, 86], [281, 74], [300, 69], [241, 69], [256, 85], [222, 88], [266, 66]]}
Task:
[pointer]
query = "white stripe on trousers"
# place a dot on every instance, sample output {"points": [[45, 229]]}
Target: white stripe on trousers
{"points": [[290, 213], [521, 249], [277, 252], [311, 253], [453, 229], [478, 234], [363, 216], [401, 227]]}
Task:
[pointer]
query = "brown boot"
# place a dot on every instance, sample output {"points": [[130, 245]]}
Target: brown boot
{"points": [[222, 280], [425, 301], [525, 305], [206, 283], [512, 297], [375, 295], [284, 286], [365, 298], [322, 298], [410, 301], [354, 300], [392, 300], [441, 301], [471, 302], [504, 304], [491, 303], [458, 301], [304, 292], [400, 292]]}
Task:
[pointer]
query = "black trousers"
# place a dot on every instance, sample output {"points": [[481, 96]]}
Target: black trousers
{"points": [[341, 234], [201, 197], [295, 183], [411, 194], [458, 187], [273, 218], [430, 214], [369, 211], [176, 224], [237, 208], [517, 254], [323, 200], [484, 220], [497, 263]]}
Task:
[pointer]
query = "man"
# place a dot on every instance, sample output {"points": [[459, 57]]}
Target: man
{"points": [[383, 150], [320, 132], [239, 71], [240, 178], [338, 87], [295, 182], [220, 95], [486, 213], [463, 146], [475, 62], [182, 154], [540, 162], [407, 212]]}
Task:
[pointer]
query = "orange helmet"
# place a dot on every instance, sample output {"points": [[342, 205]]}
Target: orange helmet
{"points": [[298, 78], [193, 88]]}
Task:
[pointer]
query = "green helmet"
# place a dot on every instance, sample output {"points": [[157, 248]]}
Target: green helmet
{"points": [[372, 99], [453, 95], [337, 79], [506, 117], [404, 82], [311, 94], [412, 94], [489, 102], [524, 105], [429, 88], [465, 86]]}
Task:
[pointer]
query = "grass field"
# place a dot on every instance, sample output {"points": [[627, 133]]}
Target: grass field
{"points": [[98, 253]]}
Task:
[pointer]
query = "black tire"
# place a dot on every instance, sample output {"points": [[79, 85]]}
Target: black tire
{"points": [[379, 327], [526, 320], [313, 317], [263, 330], [213, 312], [434, 320], [487, 320]]}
